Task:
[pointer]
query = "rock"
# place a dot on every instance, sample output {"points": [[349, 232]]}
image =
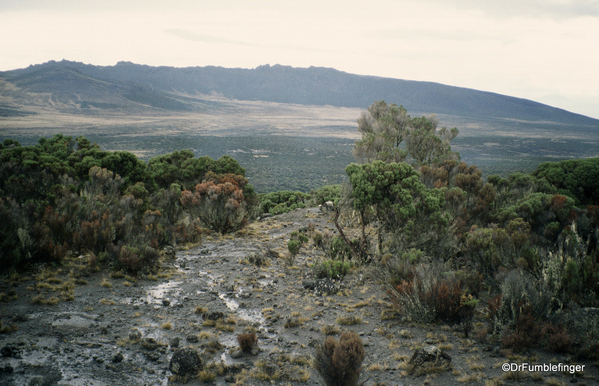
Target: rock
{"points": [[326, 286], [135, 335], [166, 302], [117, 358], [236, 354], [429, 356], [192, 338], [308, 284], [152, 356], [214, 315], [8, 369], [175, 342], [149, 344], [8, 351], [185, 361]]}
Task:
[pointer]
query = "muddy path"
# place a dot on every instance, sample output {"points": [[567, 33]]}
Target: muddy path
{"points": [[123, 331]]}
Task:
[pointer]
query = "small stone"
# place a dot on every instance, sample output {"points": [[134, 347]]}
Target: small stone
{"points": [[117, 358], [236, 354], [214, 315], [152, 356], [166, 302], [135, 335], [192, 338], [175, 342], [149, 344]]}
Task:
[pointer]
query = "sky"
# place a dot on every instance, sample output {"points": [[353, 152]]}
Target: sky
{"points": [[544, 50]]}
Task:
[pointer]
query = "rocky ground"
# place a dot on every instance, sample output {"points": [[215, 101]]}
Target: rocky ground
{"points": [[119, 330]]}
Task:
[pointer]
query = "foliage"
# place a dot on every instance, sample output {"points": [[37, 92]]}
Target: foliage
{"points": [[426, 293], [575, 178], [339, 362], [409, 213], [282, 202], [64, 196], [180, 167], [220, 202], [385, 127], [326, 193], [333, 269], [521, 296]]}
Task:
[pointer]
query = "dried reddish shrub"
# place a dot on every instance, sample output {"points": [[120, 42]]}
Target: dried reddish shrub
{"points": [[339, 362], [247, 341]]}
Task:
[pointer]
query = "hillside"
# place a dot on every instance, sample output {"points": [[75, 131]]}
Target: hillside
{"points": [[292, 128], [283, 84]]}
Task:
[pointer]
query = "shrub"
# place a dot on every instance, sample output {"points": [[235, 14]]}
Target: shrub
{"points": [[425, 294], [282, 201], [521, 295], [137, 260], [294, 246], [526, 334], [220, 202], [557, 339], [247, 341], [333, 269], [339, 362]]}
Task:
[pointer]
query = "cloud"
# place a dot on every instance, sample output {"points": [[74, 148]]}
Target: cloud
{"points": [[555, 9], [196, 37]]}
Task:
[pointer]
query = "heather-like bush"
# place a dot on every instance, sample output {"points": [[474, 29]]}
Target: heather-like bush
{"points": [[282, 201], [525, 334], [220, 202], [425, 293], [557, 339], [521, 295], [339, 362]]}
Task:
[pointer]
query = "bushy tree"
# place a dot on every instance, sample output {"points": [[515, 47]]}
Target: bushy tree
{"points": [[384, 128], [219, 201]]}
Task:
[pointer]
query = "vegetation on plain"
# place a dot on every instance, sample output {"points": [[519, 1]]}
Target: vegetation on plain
{"points": [[439, 232]]}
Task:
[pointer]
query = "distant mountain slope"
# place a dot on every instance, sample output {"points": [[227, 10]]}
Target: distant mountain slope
{"points": [[313, 86], [69, 85]]}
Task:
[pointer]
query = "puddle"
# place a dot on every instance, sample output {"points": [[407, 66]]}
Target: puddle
{"points": [[74, 321]]}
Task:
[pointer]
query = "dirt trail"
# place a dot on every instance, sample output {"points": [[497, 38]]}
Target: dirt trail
{"points": [[124, 332]]}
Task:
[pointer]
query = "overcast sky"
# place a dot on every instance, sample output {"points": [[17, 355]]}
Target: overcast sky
{"points": [[545, 50]]}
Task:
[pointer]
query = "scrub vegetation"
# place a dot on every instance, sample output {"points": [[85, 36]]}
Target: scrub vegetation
{"points": [[441, 234]]}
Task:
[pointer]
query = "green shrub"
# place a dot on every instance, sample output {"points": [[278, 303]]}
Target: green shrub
{"points": [[326, 193], [282, 201], [333, 269], [294, 246]]}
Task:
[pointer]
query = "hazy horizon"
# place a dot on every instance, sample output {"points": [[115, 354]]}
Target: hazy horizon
{"points": [[539, 50]]}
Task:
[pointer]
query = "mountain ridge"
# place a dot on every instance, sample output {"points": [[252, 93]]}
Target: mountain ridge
{"points": [[309, 86]]}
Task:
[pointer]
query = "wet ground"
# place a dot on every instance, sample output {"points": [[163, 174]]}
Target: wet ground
{"points": [[123, 331]]}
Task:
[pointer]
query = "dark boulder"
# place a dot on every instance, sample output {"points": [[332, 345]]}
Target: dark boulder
{"points": [[185, 361]]}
